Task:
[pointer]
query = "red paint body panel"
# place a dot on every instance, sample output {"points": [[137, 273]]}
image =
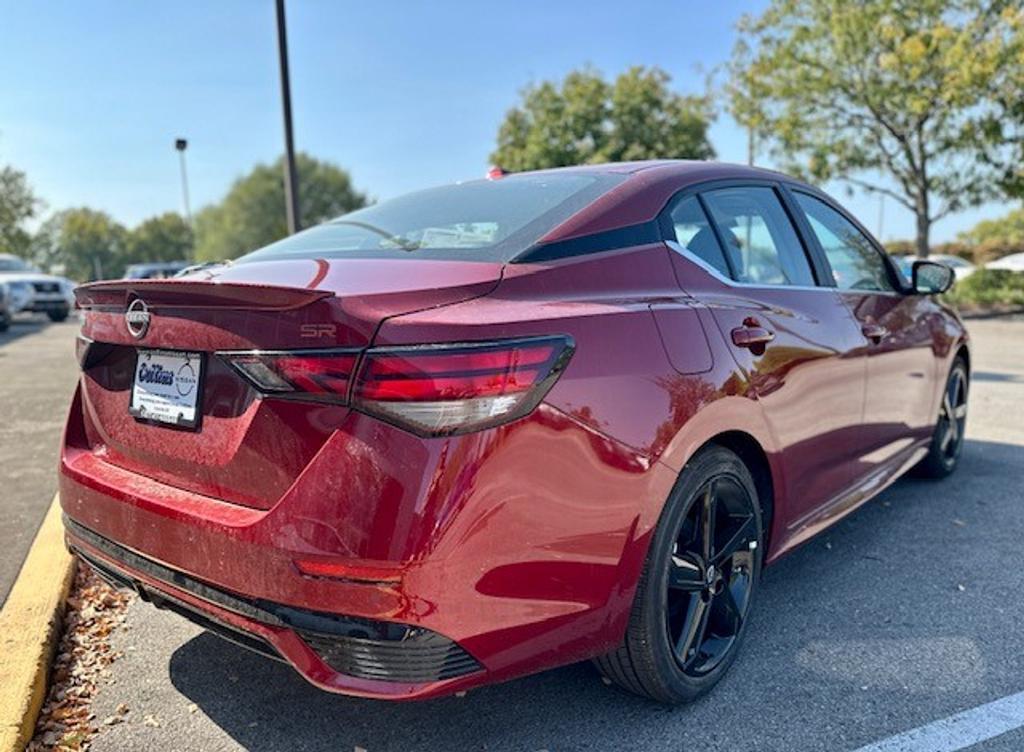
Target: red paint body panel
{"points": [[522, 543]]}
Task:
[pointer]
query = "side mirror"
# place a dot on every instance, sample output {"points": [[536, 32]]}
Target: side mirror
{"points": [[931, 277]]}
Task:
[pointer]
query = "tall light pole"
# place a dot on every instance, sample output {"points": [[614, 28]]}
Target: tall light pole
{"points": [[291, 183], [881, 216], [181, 145]]}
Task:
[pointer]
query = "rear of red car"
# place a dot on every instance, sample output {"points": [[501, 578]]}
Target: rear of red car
{"points": [[259, 449]]}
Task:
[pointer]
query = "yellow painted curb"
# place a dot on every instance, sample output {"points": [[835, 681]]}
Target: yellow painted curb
{"points": [[29, 630]]}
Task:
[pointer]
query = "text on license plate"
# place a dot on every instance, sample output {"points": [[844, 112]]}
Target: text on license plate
{"points": [[166, 387]]}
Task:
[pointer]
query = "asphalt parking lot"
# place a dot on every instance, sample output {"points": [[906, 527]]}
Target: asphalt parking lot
{"points": [[903, 614], [37, 374]]}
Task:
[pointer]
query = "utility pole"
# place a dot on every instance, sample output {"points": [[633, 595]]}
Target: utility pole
{"points": [[181, 145], [881, 216], [751, 146], [291, 183]]}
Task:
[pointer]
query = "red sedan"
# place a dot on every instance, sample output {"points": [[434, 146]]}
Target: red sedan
{"points": [[490, 428]]}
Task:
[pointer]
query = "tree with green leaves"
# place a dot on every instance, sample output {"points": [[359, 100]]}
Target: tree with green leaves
{"points": [[586, 119], [166, 237], [253, 212], [86, 243], [892, 96], [1008, 228], [17, 206]]}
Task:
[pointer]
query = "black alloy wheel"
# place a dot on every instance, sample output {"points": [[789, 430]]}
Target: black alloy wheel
{"points": [[692, 604], [711, 575], [948, 439]]}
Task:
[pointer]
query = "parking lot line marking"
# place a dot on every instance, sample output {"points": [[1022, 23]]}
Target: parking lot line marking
{"points": [[958, 731]]}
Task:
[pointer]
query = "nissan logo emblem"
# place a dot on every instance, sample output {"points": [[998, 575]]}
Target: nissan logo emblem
{"points": [[136, 318]]}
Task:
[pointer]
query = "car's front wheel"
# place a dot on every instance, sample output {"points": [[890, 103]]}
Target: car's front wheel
{"points": [[695, 593], [58, 315], [948, 439]]}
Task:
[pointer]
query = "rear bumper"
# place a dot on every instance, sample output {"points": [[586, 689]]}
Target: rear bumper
{"points": [[335, 652], [46, 305], [507, 551]]}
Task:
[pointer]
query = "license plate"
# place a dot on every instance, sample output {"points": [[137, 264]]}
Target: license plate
{"points": [[166, 387]]}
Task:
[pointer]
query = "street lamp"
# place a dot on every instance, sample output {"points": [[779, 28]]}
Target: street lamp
{"points": [[181, 144], [291, 184]]}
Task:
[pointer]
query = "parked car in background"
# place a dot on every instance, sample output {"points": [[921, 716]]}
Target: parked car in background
{"points": [[1011, 263], [494, 427], [155, 270], [962, 268], [32, 291], [5, 311]]}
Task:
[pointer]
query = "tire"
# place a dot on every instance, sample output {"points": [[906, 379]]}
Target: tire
{"points": [[5, 321], [678, 590], [948, 439], [61, 314]]}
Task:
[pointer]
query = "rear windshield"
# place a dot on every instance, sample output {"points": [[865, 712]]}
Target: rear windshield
{"points": [[484, 220]]}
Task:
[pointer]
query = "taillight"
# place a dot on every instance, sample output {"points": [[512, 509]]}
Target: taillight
{"points": [[446, 389], [322, 375], [431, 390]]}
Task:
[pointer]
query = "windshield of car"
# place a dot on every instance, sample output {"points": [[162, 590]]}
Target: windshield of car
{"points": [[13, 264], [481, 220]]}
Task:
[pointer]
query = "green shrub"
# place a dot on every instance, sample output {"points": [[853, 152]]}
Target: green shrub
{"points": [[989, 287]]}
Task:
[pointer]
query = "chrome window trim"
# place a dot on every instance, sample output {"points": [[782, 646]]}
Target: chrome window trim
{"points": [[677, 247]]}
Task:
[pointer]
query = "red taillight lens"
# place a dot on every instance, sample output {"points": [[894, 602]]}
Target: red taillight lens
{"points": [[445, 389], [321, 375], [431, 390]]}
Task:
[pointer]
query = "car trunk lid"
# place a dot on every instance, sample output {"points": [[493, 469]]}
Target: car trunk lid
{"points": [[246, 449]]}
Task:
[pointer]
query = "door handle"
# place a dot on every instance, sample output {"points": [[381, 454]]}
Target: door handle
{"points": [[874, 332], [751, 335]]}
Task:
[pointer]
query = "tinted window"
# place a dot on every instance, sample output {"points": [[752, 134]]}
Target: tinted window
{"points": [[694, 233], [487, 220], [762, 246], [13, 264], [856, 264]]}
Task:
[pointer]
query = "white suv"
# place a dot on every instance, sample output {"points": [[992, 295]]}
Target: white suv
{"points": [[29, 290]]}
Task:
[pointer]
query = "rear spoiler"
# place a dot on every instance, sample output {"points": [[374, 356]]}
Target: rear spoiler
{"points": [[190, 293]]}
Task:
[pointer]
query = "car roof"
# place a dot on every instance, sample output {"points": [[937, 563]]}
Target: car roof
{"points": [[698, 169], [646, 189]]}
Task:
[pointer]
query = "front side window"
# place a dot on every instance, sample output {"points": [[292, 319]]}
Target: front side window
{"points": [[693, 232], [856, 264], [761, 244]]}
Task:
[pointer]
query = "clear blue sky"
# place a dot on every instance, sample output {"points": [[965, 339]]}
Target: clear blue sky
{"points": [[402, 94]]}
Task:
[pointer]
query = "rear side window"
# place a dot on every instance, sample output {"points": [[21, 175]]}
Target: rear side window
{"points": [[761, 244], [694, 233], [856, 264], [484, 220]]}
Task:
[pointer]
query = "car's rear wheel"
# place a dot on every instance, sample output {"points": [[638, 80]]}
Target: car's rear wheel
{"points": [[5, 321], [948, 439], [695, 593]]}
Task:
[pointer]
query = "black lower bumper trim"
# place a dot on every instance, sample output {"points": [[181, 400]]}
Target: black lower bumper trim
{"points": [[352, 646], [119, 579]]}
